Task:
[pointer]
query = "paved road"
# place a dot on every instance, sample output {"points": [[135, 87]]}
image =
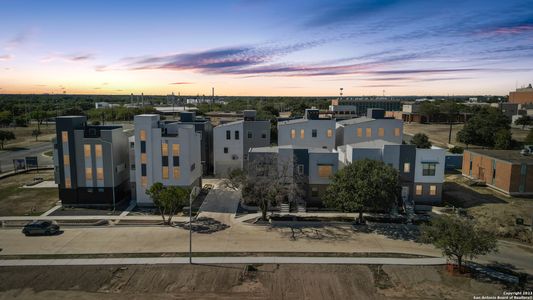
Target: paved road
{"points": [[7, 156], [224, 260], [221, 201]]}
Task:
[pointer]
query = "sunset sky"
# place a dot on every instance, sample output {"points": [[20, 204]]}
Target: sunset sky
{"points": [[259, 47]]}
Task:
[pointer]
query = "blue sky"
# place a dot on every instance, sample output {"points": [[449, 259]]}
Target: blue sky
{"points": [[261, 47]]}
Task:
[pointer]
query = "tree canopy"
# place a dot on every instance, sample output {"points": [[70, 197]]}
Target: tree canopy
{"points": [[5, 136], [482, 128], [421, 141], [168, 199]]}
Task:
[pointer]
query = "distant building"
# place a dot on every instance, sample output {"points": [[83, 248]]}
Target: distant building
{"points": [[311, 131], [91, 163], [346, 108], [231, 141], [101, 105], [522, 95], [314, 165], [172, 110], [167, 152], [374, 126], [507, 171]]}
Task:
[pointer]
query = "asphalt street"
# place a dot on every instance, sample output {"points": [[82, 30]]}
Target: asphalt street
{"points": [[7, 156]]}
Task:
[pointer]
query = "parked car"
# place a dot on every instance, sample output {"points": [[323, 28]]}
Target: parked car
{"points": [[41, 228]]}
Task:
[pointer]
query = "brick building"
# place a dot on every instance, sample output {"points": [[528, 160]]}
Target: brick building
{"points": [[504, 170], [522, 96]]}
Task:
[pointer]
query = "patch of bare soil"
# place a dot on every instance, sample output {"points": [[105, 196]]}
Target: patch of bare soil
{"points": [[239, 282]]}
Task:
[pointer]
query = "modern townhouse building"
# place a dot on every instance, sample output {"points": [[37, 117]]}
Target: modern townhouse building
{"points": [[349, 107], [91, 163], [165, 151], [372, 127], [205, 128], [507, 171], [311, 131], [231, 141], [421, 171], [314, 166]]}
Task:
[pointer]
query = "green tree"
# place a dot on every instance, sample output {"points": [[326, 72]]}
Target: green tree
{"points": [[451, 109], [5, 136], [421, 141], [458, 238], [524, 121], [364, 185], [503, 139], [429, 110], [169, 200], [36, 133], [482, 127]]}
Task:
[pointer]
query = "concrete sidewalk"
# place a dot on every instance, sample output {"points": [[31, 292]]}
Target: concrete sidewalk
{"points": [[224, 260]]}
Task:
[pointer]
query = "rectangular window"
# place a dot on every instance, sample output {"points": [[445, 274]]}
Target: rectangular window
{"points": [[164, 161], [330, 133], [176, 161], [176, 172], [293, 134], [406, 167], [428, 169], [396, 131], [302, 134], [368, 132], [165, 172], [99, 173], [237, 134], [144, 181], [225, 149], [381, 132], [68, 185], [249, 134], [300, 169], [418, 190], [64, 136], [88, 173], [133, 167], [164, 149], [87, 150], [325, 171], [142, 135], [66, 160], [433, 190], [143, 170], [143, 158], [314, 191], [228, 135], [359, 132], [176, 149], [98, 150], [263, 135], [143, 146], [314, 133]]}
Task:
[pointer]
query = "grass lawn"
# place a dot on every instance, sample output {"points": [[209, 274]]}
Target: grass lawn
{"points": [[18, 201], [23, 137]]}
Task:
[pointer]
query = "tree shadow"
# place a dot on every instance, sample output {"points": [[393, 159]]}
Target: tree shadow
{"points": [[461, 196], [204, 225], [405, 232]]}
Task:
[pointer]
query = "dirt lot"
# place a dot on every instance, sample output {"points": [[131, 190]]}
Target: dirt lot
{"points": [[17, 201], [493, 210], [438, 133], [240, 282], [23, 136]]}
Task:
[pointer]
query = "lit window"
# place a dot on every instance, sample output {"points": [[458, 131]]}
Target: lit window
{"points": [[165, 172], [175, 149], [89, 173], [360, 132], [143, 158], [64, 136], [164, 149], [142, 135], [293, 134], [66, 160], [98, 151], [176, 172], [396, 131], [381, 132], [325, 170], [99, 173], [302, 134], [144, 181], [433, 190], [368, 132], [87, 151], [67, 183], [330, 133], [406, 167], [418, 190]]}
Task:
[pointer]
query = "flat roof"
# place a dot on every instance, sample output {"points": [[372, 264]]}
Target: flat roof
{"points": [[512, 156], [373, 144]]}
